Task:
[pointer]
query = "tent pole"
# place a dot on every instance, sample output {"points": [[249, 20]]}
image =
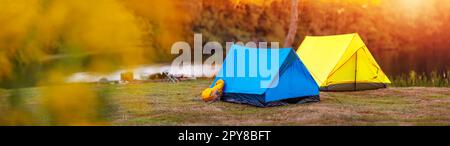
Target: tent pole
{"points": [[356, 68]]}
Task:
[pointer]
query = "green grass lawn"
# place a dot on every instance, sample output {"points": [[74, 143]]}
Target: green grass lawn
{"points": [[179, 104]]}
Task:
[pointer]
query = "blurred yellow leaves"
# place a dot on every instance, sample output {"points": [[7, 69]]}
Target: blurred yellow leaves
{"points": [[12, 117], [6, 65], [74, 104], [32, 30], [15, 19], [165, 22], [63, 37], [98, 36]]}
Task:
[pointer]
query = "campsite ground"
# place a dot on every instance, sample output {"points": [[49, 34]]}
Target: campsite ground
{"points": [[162, 103]]}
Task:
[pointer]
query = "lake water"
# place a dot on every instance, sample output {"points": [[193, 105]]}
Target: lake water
{"points": [[395, 63], [141, 73]]}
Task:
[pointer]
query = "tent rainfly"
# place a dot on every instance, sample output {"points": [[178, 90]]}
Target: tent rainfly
{"points": [[341, 63], [294, 83]]}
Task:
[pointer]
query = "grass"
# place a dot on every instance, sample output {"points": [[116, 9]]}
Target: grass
{"points": [[179, 104], [434, 79]]}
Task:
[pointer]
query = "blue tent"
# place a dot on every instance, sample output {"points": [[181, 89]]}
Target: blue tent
{"points": [[254, 76]]}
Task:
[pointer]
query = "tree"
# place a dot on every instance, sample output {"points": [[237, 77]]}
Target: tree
{"points": [[293, 25]]}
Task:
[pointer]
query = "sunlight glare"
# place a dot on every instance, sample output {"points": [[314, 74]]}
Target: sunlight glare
{"points": [[411, 5]]}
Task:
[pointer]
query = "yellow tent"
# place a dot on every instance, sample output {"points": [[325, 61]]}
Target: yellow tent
{"points": [[341, 63]]}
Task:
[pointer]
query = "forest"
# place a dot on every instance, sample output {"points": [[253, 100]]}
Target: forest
{"points": [[403, 35]]}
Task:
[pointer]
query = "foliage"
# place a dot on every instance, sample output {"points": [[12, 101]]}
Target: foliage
{"points": [[403, 35]]}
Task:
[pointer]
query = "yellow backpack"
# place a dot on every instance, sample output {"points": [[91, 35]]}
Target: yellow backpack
{"points": [[214, 93]]}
